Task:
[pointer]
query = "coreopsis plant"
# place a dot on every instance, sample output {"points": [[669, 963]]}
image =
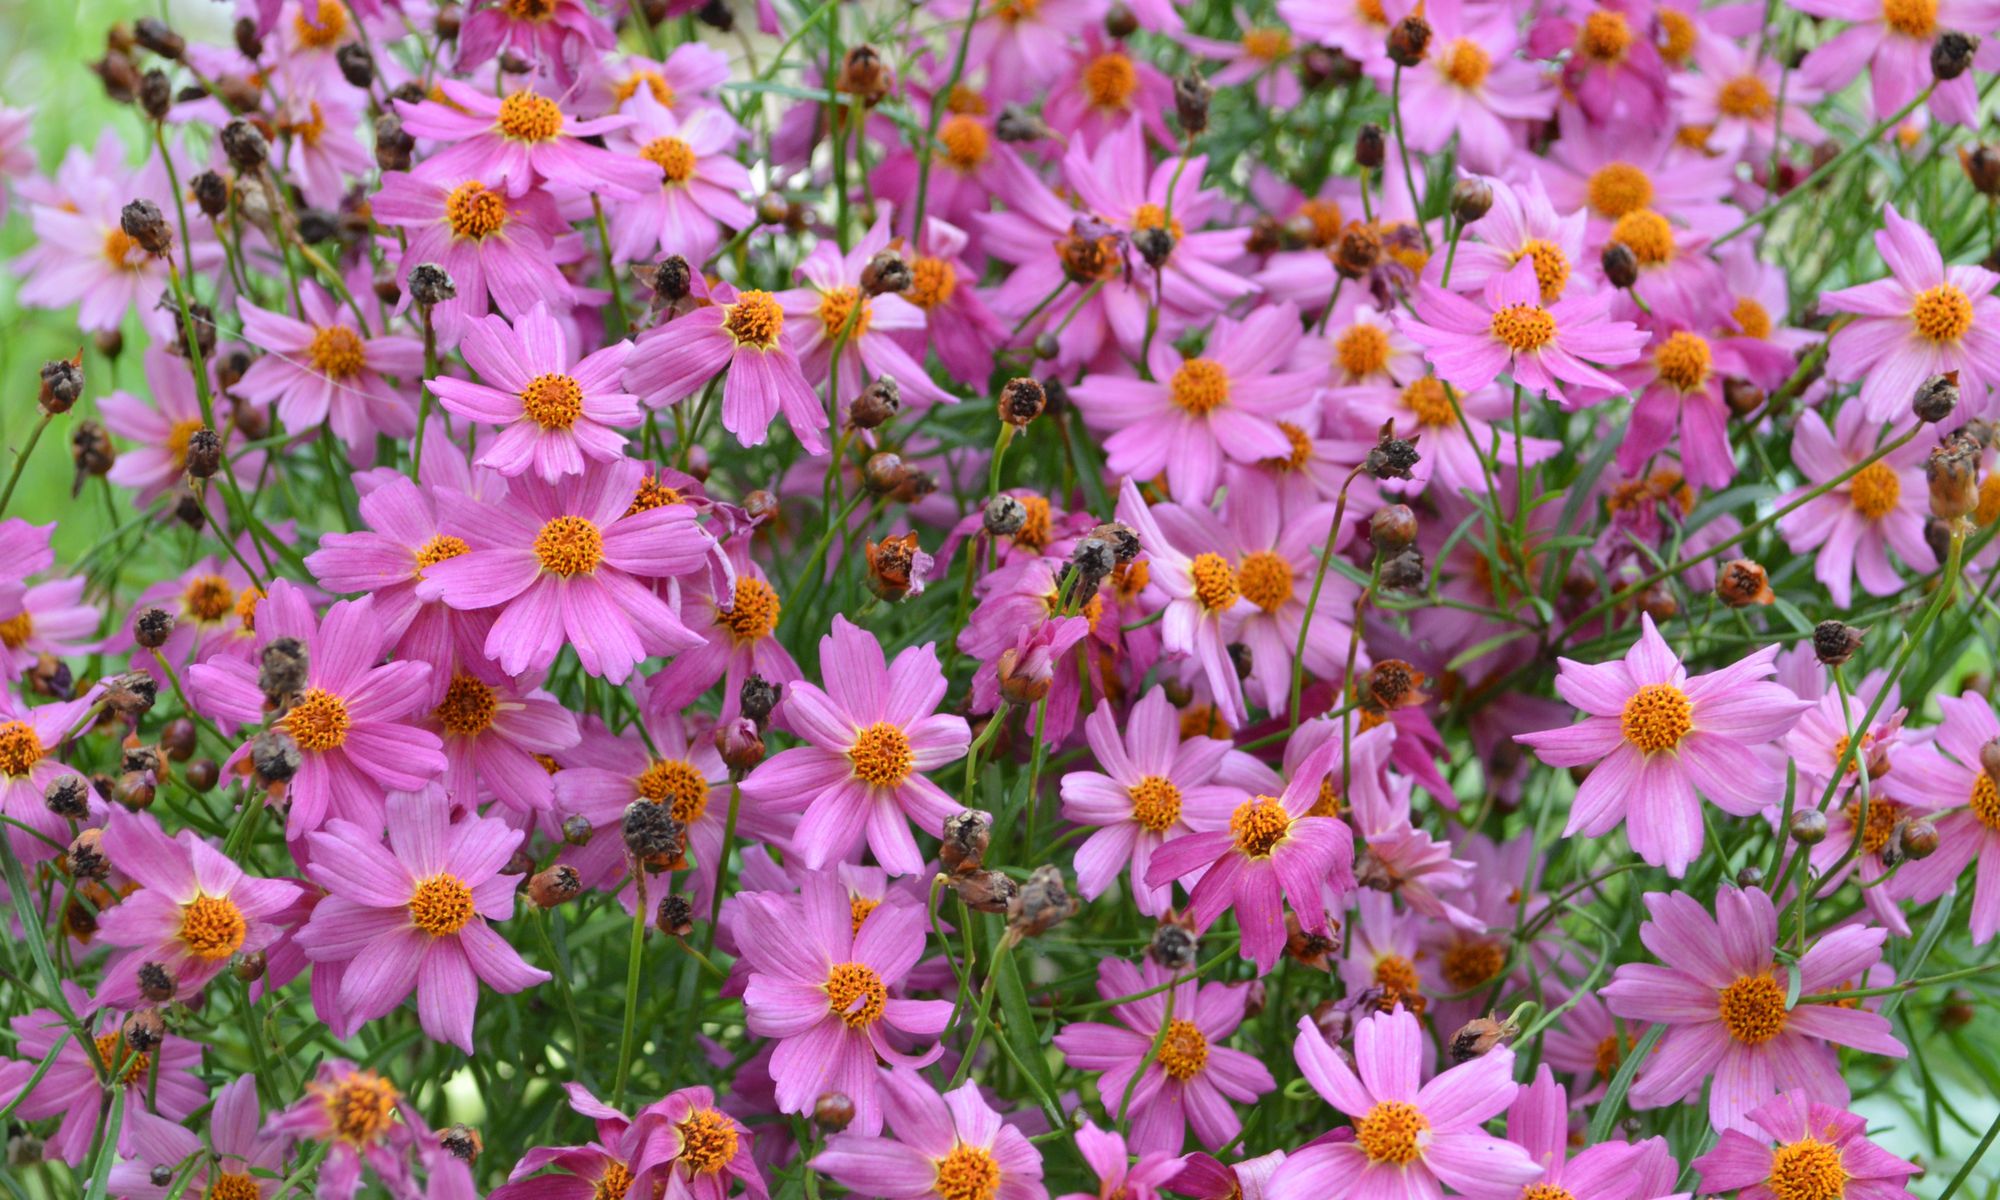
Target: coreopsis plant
{"points": [[1109, 599]]}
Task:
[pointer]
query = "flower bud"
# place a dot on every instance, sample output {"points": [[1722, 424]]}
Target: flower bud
{"points": [[91, 450], [740, 744], [675, 916], [1122, 538], [144, 1030], [1952, 471], [966, 836], [1951, 54], [833, 1112], [1155, 245], [1120, 21], [1742, 396], [275, 756], [1750, 876], [1471, 198], [1357, 251], [85, 858], [156, 36], [1369, 148], [1019, 124], [577, 830], [1936, 398], [153, 627], [1174, 945], [156, 985], [143, 223], [897, 567], [131, 695], [651, 833], [118, 74], [1021, 401], [204, 453], [716, 15], [202, 775], [1192, 96], [877, 405], [1309, 948], [211, 193], [245, 145], [430, 285], [357, 66], [1834, 643], [1479, 1036], [1409, 40], [884, 472], [1741, 583], [1005, 515], [758, 697], [281, 671], [1918, 838], [887, 272], [462, 1142], [156, 95], [61, 384], [1808, 827], [557, 885], [1621, 266], [773, 208], [1044, 903], [864, 74], [1392, 528], [68, 797], [394, 146], [986, 891], [249, 43], [1982, 166]]}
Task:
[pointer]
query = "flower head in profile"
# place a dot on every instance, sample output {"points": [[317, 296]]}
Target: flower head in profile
{"points": [[1658, 737], [742, 333], [1798, 1148], [949, 1147]]}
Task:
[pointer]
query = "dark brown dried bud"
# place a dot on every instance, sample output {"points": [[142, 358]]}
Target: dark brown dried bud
{"points": [[1241, 659], [966, 837], [833, 1112], [1174, 945], [1005, 515], [1155, 245], [177, 739], [1357, 251], [758, 697], [674, 916], [131, 695], [1658, 602], [211, 193], [202, 774], [877, 404], [156, 94], [1192, 96], [1409, 40], [1741, 583], [245, 145], [1982, 167], [430, 285], [1480, 1036], [1951, 54], [1621, 266], [1017, 123], [1742, 396], [773, 209], [651, 832], [135, 790], [153, 627], [156, 985], [1392, 528], [449, 20], [188, 510], [1952, 471], [1393, 684], [864, 74], [317, 225], [394, 146], [1808, 827], [986, 891], [1120, 21], [1405, 571], [143, 223], [1834, 643], [61, 384], [251, 967], [281, 671], [155, 35], [884, 472], [249, 43], [144, 1030], [1936, 398], [1309, 948], [204, 453], [141, 759], [1392, 457], [119, 76], [896, 567], [557, 885], [887, 272], [716, 15], [1122, 538], [357, 66], [462, 1141], [85, 858], [1021, 401], [68, 797], [91, 450], [203, 319], [1471, 199], [1044, 903], [275, 756], [1750, 876], [1370, 149]]}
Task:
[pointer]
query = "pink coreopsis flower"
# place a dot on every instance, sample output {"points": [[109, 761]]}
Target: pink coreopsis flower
{"points": [[1200, 587], [555, 408], [352, 722], [1523, 223], [701, 186], [871, 733], [832, 307], [1472, 84], [1103, 89], [83, 256], [17, 151], [242, 1146], [1795, 1138], [501, 251], [1892, 44], [958, 325], [1408, 1139], [29, 741], [1257, 57], [1103, 1151], [1454, 440], [1850, 529], [1137, 799], [1197, 413], [324, 367], [413, 915], [708, 1151], [820, 983], [1272, 851], [742, 333], [946, 1147], [1723, 1000], [1679, 386], [557, 33], [45, 618], [1192, 1079], [1658, 737], [739, 640], [1946, 778], [1541, 347], [626, 1153], [567, 564], [1021, 44], [1925, 319], [495, 735], [158, 463], [1735, 97], [193, 912], [361, 1117], [519, 139]]}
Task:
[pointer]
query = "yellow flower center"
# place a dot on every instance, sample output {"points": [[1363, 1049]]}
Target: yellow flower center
{"points": [[118, 248], [1156, 803], [614, 1183], [1302, 448], [1110, 80], [1465, 63], [1327, 803], [1363, 350], [1942, 313], [227, 1186], [1035, 532], [652, 81], [318, 721], [1399, 975], [441, 905], [1875, 490], [708, 1141], [1467, 964], [1680, 34], [965, 101], [1184, 1052], [1524, 326], [836, 309], [671, 155], [1427, 398], [111, 1051], [1610, 1053], [16, 630], [324, 30], [1911, 18], [932, 282], [1267, 42], [527, 117], [1657, 717], [569, 546], [247, 601], [534, 11], [1604, 37], [755, 612], [1647, 235], [1199, 386], [212, 927], [178, 438], [858, 908], [1683, 360], [1617, 188], [336, 352], [474, 210], [965, 142], [1266, 580], [1551, 267], [1389, 1133], [1882, 818], [1214, 582], [1258, 825], [552, 401], [653, 493], [675, 781], [855, 994], [967, 1173], [1371, 11], [1753, 1009], [467, 708], [1152, 216], [1807, 1170], [1751, 318], [440, 547], [1745, 96], [1985, 801], [360, 1108], [881, 755], [755, 320], [1324, 222]]}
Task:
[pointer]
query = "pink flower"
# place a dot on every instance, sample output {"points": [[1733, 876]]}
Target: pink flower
{"points": [[819, 983], [1723, 1000], [1538, 1122], [1408, 1139], [1925, 319], [413, 915], [708, 1151], [1850, 529], [1104, 1153], [1680, 392], [1735, 96], [1945, 777], [369, 1134], [1193, 1078], [1273, 850], [162, 429], [519, 140], [1893, 45], [870, 736], [242, 1146], [1541, 347], [1103, 90], [194, 910], [738, 641], [1661, 737], [625, 1154], [700, 185], [495, 735], [742, 333], [1199, 587], [567, 564], [351, 723], [946, 1147], [48, 618], [1522, 223], [29, 741], [82, 256], [820, 312], [558, 34], [1473, 84], [1814, 1141], [326, 368], [554, 408]]}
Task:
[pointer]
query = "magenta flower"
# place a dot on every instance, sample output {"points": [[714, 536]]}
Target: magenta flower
{"points": [[1925, 319], [743, 333], [363, 1119], [1274, 850], [501, 251], [819, 312], [871, 733], [1797, 1138], [946, 1147], [1722, 997], [1541, 347], [325, 368], [242, 1146], [1200, 588], [567, 565], [495, 735], [1538, 1122], [1522, 223], [819, 983], [1892, 43], [194, 910], [1679, 399], [627, 1153], [1408, 1139], [413, 915], [738, 640], [554, 408], [701, 186], [1473, 84], [29, 740], [1117, 1175], [1661, 737], [1735, 97], [1194, 1077], [708, 1151], [352, 722], [1850, 529], [161, 429], [520, 139], [47, 618], [559, 33], [1945, 776]]}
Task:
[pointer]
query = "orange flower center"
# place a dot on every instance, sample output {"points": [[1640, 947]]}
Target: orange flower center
{"points": [[1467, 964], [440, 547], [1215, 584], [1551, 267], [336, 352], [708, 1141], [1524, 326], [1647, 235], [1389, 1132], [1428, 399], [965, 142], [1199, 386], [755, 612], [1753, 1009], [1875, 490], [324, 29], [1465, 63], [553, 401], [1745, 96], [1266, 579], [932, 282], [1985, 802], [212, 927], [1183, 1052], [1751, 318], [881, 755], [755, 320], [467, 708], [474, 210], [1617, 188], [1657, 717], [837, 308], [1807, 1170], [360, 1108], [111, 1051], [676, 782], [1911, 18], [441, 905], [1156, 803], [1363, 350], [527, 117], [967, 1173], [1942, 313], [1258, 825], [569, 546], [1604, 37], [671, 155], [119, 249], [318, 721], [855, 994], [16, 630], [1109, 80], [1683, 360]]}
